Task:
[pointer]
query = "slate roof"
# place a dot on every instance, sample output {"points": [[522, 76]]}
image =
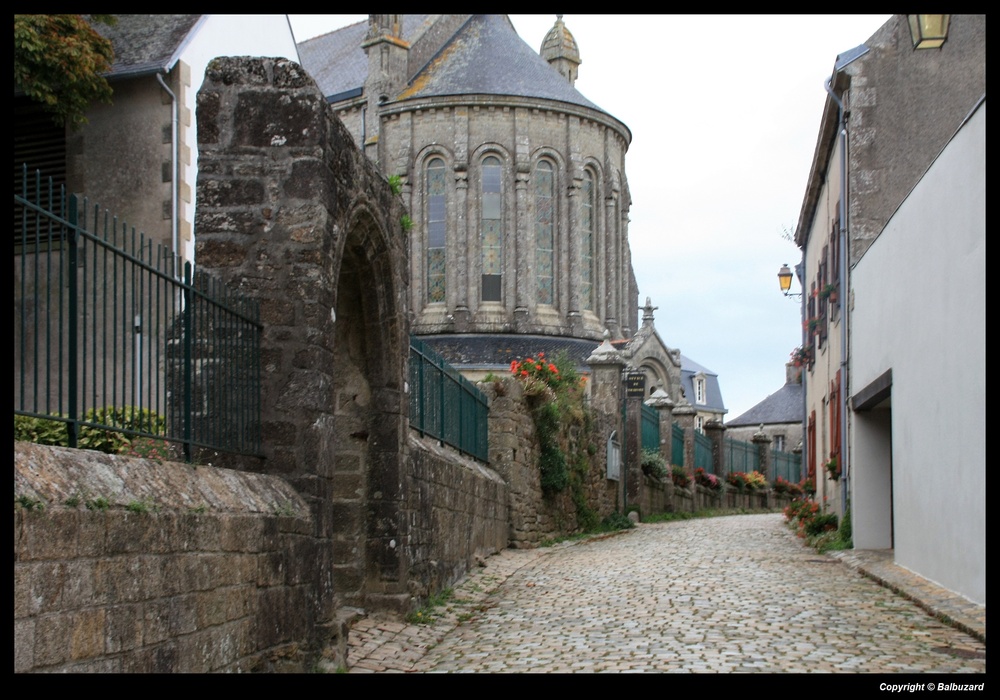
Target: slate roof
{"points": [[495, 351], [713, 393], [484, 57], [783, 406], [487, 57], [146, 43]]}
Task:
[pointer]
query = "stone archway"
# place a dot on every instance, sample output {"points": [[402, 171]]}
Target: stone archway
{"points": [[369, 358]]}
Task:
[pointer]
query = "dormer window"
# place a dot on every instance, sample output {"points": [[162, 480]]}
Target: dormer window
{"points": [[699, 388]]}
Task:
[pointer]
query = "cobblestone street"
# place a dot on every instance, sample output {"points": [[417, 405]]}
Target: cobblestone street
{"points": [[717, 595]]}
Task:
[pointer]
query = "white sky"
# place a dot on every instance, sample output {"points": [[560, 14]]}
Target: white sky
{"points": [[724, 112]]}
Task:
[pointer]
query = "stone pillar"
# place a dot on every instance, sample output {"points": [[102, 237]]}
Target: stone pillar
{"points": [[684, 414], [763, 444], [717, 431], [664, 406], [606, 365], [632, 450]]}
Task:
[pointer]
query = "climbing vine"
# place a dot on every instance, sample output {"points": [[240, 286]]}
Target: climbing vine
{"points": [[563, 424]]}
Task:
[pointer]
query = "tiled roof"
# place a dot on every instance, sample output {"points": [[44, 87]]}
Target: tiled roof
{"points": [[783, 406], [146, 43]]}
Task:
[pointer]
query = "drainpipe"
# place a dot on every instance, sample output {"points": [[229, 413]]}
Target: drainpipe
{"points": [[174, 223], [800, 273], [844, 315]]}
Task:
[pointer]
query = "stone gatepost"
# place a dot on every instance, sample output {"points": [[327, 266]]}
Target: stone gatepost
{"points": [[763, 444], [684, 414], [664, 406], [715, 430], [606, 365]]}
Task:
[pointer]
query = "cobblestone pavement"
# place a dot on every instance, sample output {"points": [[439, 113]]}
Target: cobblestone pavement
{"points": [[730, 594]]}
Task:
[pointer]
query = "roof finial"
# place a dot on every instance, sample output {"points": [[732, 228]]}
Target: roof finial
{"points": [[647, 312], [560, 50]]}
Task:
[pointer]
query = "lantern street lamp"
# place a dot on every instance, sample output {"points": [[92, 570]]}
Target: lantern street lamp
{"points": [[928, 31], [785, 281]]}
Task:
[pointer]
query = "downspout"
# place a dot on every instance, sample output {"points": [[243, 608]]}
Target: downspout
{"points": [[800, 273], [174, 223], [842, 281]]}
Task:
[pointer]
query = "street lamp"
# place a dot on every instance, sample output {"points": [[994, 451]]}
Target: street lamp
{"points": [[928, 31], [785, 280]]}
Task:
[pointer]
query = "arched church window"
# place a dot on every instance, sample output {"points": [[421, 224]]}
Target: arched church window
{"points": [[437, 230], [491, 228], [587, 242], [544, 187]]}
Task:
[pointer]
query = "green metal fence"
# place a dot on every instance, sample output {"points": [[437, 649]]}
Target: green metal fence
{"points": [[445, 405], [650, 428], [677, 448], [703, 453], [786, 465], [110, 334], [741, 456]]}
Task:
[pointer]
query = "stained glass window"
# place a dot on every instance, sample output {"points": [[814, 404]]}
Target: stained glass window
{"points": [[544, 232], [491, 228], [587, 257], [436, 231]]}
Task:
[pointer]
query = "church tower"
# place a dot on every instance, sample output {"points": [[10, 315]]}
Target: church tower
{"points": [[388, 56]]}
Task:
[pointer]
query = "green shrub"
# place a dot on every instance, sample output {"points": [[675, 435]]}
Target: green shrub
{"points": [[396, 184], [844, 532], [617, 521], [820, 523], [48, 431], [42, 431], [653, 465], [554, 392]]}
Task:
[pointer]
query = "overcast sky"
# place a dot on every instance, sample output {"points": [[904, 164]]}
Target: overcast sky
{"points": [[724, 111]]}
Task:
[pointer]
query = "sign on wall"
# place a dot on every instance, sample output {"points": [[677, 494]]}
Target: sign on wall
{"points": [[635, 385]]}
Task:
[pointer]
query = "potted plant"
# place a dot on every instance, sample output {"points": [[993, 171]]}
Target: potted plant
{"points": [[801, 356], [833, 468], [829, 292]]}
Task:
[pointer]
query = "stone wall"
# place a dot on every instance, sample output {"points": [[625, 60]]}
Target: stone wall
{"points": [[513, 448], [457, 512], [126, 565]]}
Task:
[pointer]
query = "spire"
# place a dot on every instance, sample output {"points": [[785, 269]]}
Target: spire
{"points": [[560, 50]]}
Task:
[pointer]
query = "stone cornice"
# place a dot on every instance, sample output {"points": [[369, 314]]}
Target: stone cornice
{"points": [[511, 101]]}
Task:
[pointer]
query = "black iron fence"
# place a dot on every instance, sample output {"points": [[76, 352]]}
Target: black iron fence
{"points": [[110, 334]]}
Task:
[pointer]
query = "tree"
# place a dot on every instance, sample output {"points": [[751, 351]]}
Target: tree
{"points": [[59, 60]]}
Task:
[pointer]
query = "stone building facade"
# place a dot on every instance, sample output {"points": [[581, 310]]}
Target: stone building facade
{"points": [[514, 182]]}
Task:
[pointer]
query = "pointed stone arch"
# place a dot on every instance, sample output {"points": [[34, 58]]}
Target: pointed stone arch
{"points": [[370, 411]]}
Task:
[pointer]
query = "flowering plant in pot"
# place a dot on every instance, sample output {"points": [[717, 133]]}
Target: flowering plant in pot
{"points": [[709, 481]]}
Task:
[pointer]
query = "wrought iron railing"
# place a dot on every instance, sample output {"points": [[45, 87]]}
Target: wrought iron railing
{"points": [[110, 334], [650, 428], [741, 456], [703, 453], [786, 465], [677, 446], [445, 405]]}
